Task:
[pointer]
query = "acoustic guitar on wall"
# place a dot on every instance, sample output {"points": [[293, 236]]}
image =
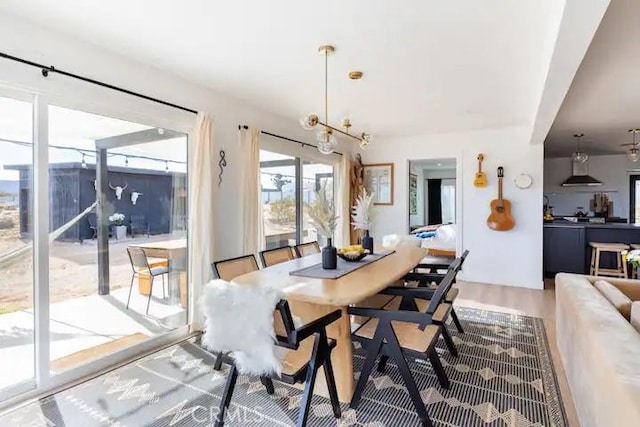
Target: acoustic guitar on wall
{"points": [[481, 178], [500, 218]]}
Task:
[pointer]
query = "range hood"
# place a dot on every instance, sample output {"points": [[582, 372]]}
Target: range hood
{"points": [[580, 176]]}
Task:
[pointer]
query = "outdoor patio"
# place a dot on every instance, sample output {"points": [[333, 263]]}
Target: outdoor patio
{"points": [[80, 318]]}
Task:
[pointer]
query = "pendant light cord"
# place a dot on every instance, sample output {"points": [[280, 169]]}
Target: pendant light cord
{"points": [[326, 94]]}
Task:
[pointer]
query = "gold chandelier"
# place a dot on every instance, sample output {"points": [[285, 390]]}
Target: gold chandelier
{"points": [[325, 135]]}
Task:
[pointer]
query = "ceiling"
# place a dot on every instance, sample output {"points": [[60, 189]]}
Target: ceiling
{"points": [[603, 101], [449, 66]]}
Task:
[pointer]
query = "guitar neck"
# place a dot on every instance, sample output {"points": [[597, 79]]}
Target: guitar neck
{"points": [[500, 188]]}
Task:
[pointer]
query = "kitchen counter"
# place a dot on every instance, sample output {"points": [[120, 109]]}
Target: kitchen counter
{"points": [[566, 244], [565, 223]]}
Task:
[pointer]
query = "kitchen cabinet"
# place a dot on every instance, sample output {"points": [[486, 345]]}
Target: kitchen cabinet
{"points": [[566, 244], [564, 250]]}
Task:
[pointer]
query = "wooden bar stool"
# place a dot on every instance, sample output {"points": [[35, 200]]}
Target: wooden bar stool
{"points": [[634, 269], [599, 248]]}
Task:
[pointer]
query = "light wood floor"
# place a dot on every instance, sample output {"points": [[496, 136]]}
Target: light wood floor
{"points": [[528, 302]]}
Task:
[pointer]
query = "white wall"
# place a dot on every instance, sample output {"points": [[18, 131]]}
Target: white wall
{"points": [[506, 258], [20, 38], [611, 170]]}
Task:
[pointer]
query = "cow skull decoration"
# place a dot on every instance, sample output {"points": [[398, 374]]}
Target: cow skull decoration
{"points": [[134, 197], [118, 190]]}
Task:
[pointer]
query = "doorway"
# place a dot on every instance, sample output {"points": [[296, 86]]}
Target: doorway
{"points": [[432, 192]]}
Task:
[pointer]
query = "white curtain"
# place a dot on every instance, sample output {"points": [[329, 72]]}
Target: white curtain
{"points": [[202, 189], [252, 225], [343, 201]]}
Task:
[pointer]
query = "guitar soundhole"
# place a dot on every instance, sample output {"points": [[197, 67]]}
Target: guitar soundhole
{"points": [[500, 209]]}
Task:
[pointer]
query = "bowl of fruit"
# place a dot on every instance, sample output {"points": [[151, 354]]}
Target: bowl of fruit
{"points": [[352, 253]]}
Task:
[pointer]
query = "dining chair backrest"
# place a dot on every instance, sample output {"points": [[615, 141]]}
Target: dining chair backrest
{"points": [[276, 256], [138, 258], [443, 287], [304, 249], [229, 269]]}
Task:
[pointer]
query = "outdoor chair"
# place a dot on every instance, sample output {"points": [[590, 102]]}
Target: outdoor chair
{"points": [[276, 256], [140, 265], [402, 334], [310, 349], [92, 219], [305, 249], [138, 225]]}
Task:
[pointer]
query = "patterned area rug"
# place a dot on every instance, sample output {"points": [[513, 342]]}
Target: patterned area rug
{"points": [[503, 377]]}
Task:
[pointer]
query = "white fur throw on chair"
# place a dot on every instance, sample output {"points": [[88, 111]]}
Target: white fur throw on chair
{"points": [[239, 319]]}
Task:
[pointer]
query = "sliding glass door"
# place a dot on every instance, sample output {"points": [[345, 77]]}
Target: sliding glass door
{"points": [[288, 185], [17, 323], [93, 241], [117, 205]]}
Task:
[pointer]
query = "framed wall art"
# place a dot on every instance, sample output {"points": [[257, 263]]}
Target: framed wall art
{"points": [[413, 194], [378, 180]]}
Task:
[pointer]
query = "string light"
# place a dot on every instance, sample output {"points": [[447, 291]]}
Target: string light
{"points": [[84, 163], [126, 161], [92, 153], [166, 168]]}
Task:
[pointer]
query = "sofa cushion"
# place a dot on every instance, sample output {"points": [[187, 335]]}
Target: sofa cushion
{"points": [[615, 296], [635, 315]]}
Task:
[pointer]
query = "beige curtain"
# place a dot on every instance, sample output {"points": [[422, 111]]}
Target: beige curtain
{"points": [[343, 201], [252, 225], [202, 191]]}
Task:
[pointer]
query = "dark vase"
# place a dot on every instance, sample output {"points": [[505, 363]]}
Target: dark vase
{"points": [[329, 256], [367, 242]]}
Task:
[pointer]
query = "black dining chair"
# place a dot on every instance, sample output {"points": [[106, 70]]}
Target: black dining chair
{"points": [[310, 349]]}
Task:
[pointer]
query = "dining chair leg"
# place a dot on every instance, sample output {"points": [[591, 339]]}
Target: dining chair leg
{"points": [[397, 355], [372, 354], [331, 384], [217, 365], [232, 376], [439, 369], [448, 340], [268, 384], [130, 289], [382, 363], [312, 371], [454, 317], [150, 293]]}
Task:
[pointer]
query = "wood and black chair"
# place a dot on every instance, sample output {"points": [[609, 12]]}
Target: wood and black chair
{"points": [[418, 299], [431, 279], [276, 256], [229, 269], [401, 334], [140, 265], [304, 249], [310, 349]]}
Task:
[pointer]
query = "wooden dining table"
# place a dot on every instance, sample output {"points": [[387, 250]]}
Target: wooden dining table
{"points": [[311, 298]]}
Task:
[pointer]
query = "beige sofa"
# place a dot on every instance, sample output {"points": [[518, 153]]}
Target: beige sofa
{"points": [[600, 351]]}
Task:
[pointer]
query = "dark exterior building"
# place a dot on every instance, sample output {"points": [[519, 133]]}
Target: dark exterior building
{"points": [[160, 208]]}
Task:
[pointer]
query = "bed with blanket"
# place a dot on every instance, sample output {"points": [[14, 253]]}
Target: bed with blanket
{"points": [[440, 240]]}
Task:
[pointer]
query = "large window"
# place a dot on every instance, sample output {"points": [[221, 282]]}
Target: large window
{"points": [[16, 260], [93, 241], [288, 184]]}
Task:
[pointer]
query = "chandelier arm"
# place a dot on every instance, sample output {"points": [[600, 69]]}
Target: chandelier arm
{"points": [[340, 131]]}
